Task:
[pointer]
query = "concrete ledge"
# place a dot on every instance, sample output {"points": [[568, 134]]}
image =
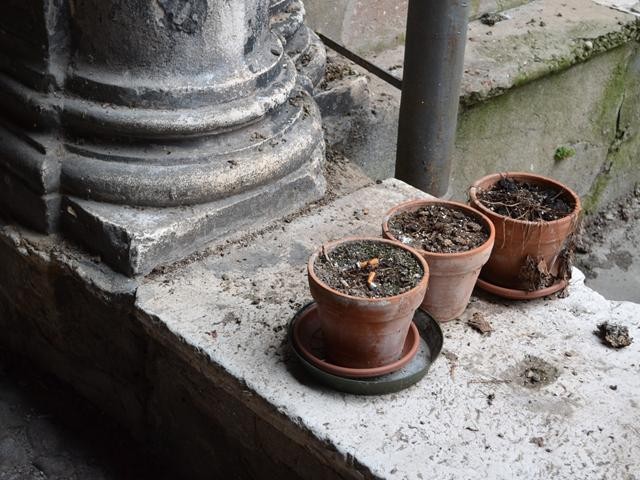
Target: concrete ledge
{"points": [[534, 40], [368, 27], [538, 39], [194, 357]]}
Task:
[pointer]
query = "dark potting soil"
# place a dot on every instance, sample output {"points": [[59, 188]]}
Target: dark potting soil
{"points": [[368, 269], [526, 201], [438, 229], [614, 335]]}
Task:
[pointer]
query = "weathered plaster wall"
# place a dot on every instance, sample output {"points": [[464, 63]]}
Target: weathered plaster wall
{"points": [[553, 75], [591, 108], [621, 170]]}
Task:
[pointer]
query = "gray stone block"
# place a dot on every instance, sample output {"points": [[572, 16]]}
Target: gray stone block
{"points": [[303, 46], [136, 240]]}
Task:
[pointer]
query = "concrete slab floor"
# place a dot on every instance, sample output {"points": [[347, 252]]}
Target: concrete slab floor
{"points": [[48, 432], [609, 251], [476, 415]]}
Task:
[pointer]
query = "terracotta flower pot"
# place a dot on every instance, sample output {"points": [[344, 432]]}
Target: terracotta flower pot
{"points": [[362, 332], [518, 240], [452, 276]]}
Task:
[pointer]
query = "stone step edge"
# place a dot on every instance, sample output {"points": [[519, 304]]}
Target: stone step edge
{"points": [[573, 36]]}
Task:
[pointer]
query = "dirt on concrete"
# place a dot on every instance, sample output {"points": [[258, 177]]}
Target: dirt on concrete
{"points": [[535, 372], [613, 335], [480, 324], [335, 72]]}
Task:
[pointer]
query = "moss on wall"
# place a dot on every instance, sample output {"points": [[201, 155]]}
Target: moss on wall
{"points": [[591, 109], [621, 169]]}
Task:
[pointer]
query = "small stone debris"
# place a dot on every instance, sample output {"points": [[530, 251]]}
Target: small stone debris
{"points": [[479, 323], [613, 335], [536, 372], [539, 441], [491, 19], [452, 358]]}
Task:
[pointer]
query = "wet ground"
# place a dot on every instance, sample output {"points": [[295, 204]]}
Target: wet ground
{"points": [[48, 432], [609, 253]]}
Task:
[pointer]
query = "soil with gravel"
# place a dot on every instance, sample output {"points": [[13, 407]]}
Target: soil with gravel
{"points": [[438, 229], [368, 269], [335, 72], [526, 201], [614, 335], [490, 19]]}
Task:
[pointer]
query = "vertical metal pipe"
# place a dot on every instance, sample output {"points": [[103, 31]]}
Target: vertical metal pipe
{"points": [[433, 64]]}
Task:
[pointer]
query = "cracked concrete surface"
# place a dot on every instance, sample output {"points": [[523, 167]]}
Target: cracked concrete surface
{"points": [[473, 416]]}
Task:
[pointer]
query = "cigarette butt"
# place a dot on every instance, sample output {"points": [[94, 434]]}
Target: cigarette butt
{"points": [[370, 279], [374, 262], [363, 264]]}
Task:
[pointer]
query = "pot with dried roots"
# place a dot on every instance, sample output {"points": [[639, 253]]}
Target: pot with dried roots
{"points": [[535, 218]]}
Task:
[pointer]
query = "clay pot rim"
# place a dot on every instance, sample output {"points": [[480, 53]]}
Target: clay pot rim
{"points": [[494, 177], [333, 244], [418, 203]]}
